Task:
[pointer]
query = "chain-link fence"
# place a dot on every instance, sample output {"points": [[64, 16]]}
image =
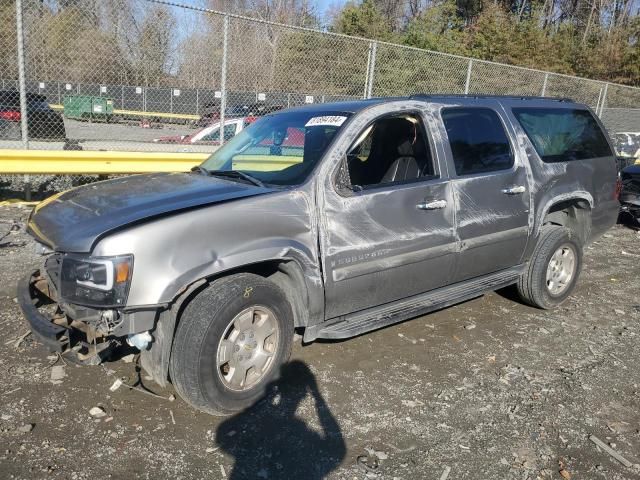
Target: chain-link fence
{"points": [[150, 75]]}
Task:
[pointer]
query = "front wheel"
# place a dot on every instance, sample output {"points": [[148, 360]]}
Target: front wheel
{"points": [[230, 343], [553, 269]]}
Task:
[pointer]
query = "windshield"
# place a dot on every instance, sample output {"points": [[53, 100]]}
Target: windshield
{"points": [[279, 149]]}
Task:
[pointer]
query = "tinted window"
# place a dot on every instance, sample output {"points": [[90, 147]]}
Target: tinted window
{"points": [[563, 134], [478, 141]]}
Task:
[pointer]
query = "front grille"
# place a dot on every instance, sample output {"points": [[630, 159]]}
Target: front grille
{"points": [[52, 268]]}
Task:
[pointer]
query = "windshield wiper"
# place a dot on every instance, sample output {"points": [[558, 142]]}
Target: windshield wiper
{"points": [[235, 174]]}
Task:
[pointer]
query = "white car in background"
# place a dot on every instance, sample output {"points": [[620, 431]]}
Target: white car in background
{"points": [[210, 135], [627, 144]]}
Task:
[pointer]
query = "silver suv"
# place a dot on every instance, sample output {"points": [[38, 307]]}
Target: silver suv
{"points": [[333, 219]]}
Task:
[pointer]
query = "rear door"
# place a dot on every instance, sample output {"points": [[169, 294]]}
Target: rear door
{"points": [[491, 191]]}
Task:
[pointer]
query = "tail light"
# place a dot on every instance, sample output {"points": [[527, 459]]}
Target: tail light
{"points": [[618, 187], [10, 115]]}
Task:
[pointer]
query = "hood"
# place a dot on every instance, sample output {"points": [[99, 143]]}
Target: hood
{"points": [[74, 220]]}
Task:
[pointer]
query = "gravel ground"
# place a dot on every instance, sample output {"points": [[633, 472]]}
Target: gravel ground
{"points": [[489, 389]]}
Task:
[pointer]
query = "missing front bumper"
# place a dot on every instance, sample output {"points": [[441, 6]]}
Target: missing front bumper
{"points": [[50, 326]]}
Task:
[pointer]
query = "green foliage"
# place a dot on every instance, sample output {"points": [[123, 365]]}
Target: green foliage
{"points": [[363, 20], [519, 32], [439, 28]]}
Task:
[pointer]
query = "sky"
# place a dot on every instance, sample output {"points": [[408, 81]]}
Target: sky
{"points": [[324, 6]]}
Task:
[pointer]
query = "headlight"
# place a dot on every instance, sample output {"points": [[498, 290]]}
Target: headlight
{"points": [[96, 282]]}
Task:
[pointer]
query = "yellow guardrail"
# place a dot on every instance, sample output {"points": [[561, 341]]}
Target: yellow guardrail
{"points": [[74, 162], [140, 113]]}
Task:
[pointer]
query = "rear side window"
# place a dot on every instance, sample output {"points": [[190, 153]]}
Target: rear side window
{"points": [[563, 134], [479, 143]]}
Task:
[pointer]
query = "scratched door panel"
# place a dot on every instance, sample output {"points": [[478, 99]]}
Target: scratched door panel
{"points": [[380, 246], [492, 224]]}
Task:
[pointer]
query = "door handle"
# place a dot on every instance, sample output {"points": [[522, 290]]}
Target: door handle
{"points": [[433, 205], [514, 190]]}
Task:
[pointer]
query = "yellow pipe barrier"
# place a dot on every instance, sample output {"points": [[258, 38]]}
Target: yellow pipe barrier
{"points": [[140, 113], [78, 162]]}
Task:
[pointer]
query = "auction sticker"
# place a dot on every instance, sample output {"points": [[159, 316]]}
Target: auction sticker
{"points": [[327, 120]]}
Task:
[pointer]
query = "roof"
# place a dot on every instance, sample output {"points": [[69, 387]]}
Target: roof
{"points": [[353, 106], [429, 96]]}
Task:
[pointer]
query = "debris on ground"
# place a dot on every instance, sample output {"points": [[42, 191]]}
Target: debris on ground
{"points": [[116, 385], [97, 412], [57, 374], [26, 428], [610, 451]]}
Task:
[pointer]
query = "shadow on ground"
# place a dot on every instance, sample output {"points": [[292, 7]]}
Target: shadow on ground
{"points": [[271, 440]]}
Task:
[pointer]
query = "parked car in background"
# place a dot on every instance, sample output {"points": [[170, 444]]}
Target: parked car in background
{"points": [[211, 111], [630, 193], [335, 219], [42, 121], [627, 145], [210, 135]]}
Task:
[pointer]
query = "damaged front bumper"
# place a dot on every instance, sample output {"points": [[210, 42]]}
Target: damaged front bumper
{"points": [[78, 340]]}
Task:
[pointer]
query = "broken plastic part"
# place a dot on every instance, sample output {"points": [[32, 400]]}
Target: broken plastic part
{"points": [[140, 340]]}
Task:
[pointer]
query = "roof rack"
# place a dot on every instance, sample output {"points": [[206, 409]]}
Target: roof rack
{"points": [[514, 97]]}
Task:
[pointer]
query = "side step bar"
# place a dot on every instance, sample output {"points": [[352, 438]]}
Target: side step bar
{"points": [[378, 317]]}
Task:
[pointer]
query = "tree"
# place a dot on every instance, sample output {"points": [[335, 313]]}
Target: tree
{"points": [[363, 20]]}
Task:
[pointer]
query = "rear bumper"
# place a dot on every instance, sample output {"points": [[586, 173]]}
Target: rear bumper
{"points": [[55, 337]]}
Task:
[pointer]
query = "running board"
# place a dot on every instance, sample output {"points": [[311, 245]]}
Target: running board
{"points": [[378, 317]]}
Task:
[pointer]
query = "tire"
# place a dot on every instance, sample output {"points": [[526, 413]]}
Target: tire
{"points": [[534, 286], [226, 321]]}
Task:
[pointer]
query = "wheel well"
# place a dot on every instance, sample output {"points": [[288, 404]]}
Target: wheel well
{"points": [[287, 274], [574, 214]]}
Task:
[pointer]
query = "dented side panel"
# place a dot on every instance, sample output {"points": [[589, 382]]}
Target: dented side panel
{"points": [[377, 246], [492, 225], [590, 181], [173, 252]]}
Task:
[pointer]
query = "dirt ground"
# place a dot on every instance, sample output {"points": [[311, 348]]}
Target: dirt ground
{"points": [[489, 389]]}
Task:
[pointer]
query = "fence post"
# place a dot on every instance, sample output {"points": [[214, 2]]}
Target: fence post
{"points": [[371, 68], [598, 102], [23, 92], [544, 85], [604, 99], [467, 83], [366, 77], [21, 76], [223, 76]]}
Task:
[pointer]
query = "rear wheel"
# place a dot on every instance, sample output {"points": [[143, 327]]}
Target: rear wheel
{"points": [[230, 342], [553, 269]]}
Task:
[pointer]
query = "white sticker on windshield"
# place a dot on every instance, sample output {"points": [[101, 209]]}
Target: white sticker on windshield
{"points": [[327, 120]]}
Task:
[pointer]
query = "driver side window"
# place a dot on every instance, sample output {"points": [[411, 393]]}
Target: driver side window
{"points": [[393, 149]]}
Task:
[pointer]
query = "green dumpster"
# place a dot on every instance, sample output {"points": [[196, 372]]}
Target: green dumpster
{"points": [[87, 107]]}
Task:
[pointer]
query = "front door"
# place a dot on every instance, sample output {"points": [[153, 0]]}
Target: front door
{"points": [[389, 234]]}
